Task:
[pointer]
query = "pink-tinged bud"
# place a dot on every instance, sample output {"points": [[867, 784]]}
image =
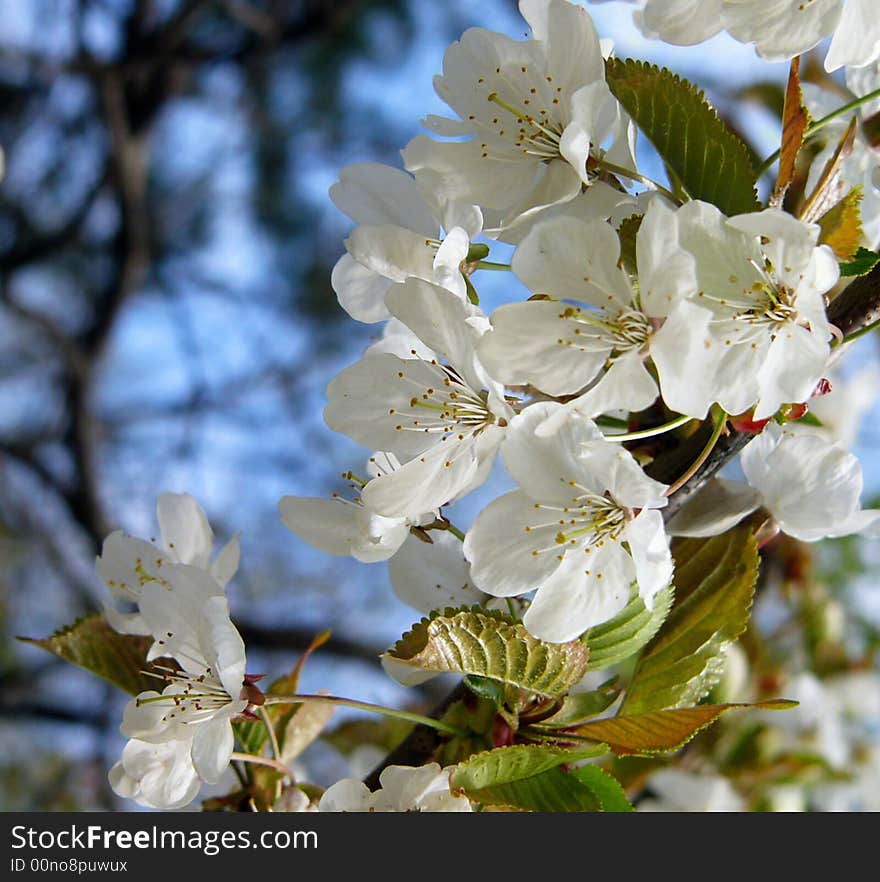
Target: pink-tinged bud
{"points": [[795, 412], [823, 387]]}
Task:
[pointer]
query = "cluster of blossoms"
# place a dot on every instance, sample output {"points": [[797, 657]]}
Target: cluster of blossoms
{"points": [[632, 315], [181, 736], [709, 316]]}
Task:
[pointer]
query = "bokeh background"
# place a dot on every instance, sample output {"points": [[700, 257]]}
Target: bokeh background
{"points": [[167, 320]]}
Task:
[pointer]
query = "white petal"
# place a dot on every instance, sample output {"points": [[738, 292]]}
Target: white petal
{"points": [[856, 41], [680, 22], [501, 547], [714, 509], [594, 111], [667, 272], [392, 252], [225, 565], [649, 547], [795, 362], [544, 465], [440, 319], [686, 354], [524, 347], [360, 291], [397, 339], [371, 193], [447, 262], [585, 590], [186, 532], [224, 648], [574, 259], [780, 29], [432, 576], [626, 385], [430, 480], [212, 747]]}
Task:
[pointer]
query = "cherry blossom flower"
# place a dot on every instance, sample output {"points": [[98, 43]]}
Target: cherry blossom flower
{"points": [[346, 527], [561, 348], [402, 789], [398, 235], [206, 687], [126, 564], [443, 420], [809, 483], [582, 528], [538, 112], [756, 334]]}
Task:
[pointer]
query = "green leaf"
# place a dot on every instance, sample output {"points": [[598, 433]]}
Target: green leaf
{"points": [[536, 778], [662, 731], [615, 641], [863, 261], [711, 163], [493, 646], [714, 585], [91, 643], [581, 706]]}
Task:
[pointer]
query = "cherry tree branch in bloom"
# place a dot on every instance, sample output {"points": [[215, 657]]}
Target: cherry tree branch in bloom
{"points": [[855, 308]]}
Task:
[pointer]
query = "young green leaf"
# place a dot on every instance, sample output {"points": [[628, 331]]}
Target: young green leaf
{"points": [[710, 162], [615, 641], [581, 706], [842, 226], [714, 584], [92, 644], [863, 261], [493, 646], [537, 778]]}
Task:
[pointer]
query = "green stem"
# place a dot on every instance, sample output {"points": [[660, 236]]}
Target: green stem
{"points": [[720, 421], [492, 265], [649, 433], [861, 331], [451, 528], [263, 761], [622, 172], [439, 725], [817, 125]]}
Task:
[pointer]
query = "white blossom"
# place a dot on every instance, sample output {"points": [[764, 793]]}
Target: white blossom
{"points": [[398, 235], [158, 775], [402, 789], [126, 564], [581, 529], [537, 112], [807, 481], [206, 683], [756, 334], [443, 419], [597, 352]]}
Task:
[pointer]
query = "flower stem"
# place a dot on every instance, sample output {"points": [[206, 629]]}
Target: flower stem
{"points": [[263, 761], [817, 125], [451, 528], [720, 421], [493, 265], [363, 705], [649, 433], [622, 172]]}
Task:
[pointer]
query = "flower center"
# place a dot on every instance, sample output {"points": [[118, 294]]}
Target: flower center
{"points": [[195, 698], [447, 408]]}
